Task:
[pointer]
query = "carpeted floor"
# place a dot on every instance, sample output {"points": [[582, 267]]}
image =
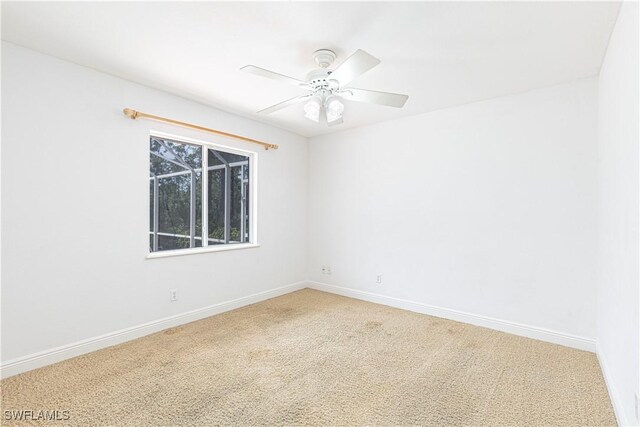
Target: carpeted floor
{"points": [[312, 358]]}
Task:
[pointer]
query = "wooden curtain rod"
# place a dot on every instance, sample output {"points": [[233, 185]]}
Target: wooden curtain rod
{"points": [[133, 114]]}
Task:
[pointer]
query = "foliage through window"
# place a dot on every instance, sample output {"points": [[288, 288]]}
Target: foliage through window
{"points": [[192, 209]]}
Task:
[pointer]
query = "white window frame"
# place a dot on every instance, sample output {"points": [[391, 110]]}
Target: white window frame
{"points": [[253, 199]]}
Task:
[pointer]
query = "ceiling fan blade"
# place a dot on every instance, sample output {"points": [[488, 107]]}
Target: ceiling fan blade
{"points": [[284, 104], [374, 97], [273, 75], [355, 65]]}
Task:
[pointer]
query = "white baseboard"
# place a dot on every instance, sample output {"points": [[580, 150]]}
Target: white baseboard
{"points": [[528, 331], [47, 357], [614, 395]]}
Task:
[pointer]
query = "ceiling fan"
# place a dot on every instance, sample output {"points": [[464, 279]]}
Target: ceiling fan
{"points": [[326, 87]]}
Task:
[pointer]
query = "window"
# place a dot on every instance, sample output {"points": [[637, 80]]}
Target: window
{"points": [[190, 209]]}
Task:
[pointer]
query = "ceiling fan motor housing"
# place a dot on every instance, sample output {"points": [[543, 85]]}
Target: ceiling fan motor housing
{"points": [[321, 83]]}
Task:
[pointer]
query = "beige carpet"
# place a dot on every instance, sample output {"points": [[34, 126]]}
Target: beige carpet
{"points": [[312, 358]]}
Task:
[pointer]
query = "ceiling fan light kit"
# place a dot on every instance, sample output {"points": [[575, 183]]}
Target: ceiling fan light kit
{"points": [[333, 108], [312, 109], [326, 87]]}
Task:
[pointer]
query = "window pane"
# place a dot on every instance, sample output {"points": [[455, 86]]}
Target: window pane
{"points": [[221, 165], [216, 206], [176, 167], [238, 201]]}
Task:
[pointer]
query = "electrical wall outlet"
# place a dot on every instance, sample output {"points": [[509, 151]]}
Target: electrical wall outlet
{"points": [[379, 279], [173, 295], [326, 269]]}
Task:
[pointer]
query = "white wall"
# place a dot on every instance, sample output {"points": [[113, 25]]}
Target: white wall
{"points": [[75, 208], [618, 175], [487, 208]]}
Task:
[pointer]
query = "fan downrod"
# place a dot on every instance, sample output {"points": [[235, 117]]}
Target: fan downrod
{"points": [[324, 57]]}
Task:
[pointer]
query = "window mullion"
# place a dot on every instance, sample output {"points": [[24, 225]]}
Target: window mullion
{"points": [[243, 205], [156, 212], [192, 212], [205, 197], [227, 203]]}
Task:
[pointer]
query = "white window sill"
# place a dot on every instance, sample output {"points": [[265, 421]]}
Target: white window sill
{"points": [[216, 248]]}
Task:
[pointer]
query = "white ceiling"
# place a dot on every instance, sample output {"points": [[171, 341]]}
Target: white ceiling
{"points": [[439, 53]]}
